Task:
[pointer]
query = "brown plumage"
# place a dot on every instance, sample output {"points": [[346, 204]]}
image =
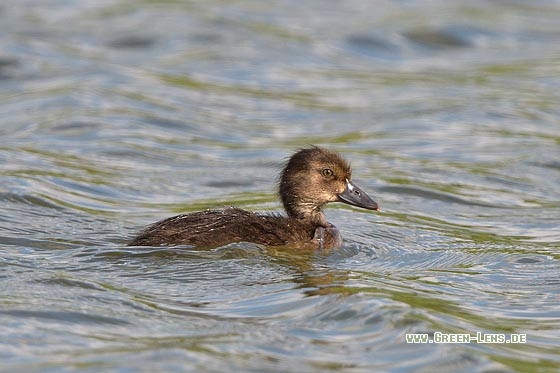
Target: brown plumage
{"points": [[312, 178]]}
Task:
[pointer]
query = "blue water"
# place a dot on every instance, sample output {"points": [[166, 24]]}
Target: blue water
{"points": [[115, 114]]}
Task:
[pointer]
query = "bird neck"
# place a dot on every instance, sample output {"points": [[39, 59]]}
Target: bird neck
{"points": [[305, 211]]}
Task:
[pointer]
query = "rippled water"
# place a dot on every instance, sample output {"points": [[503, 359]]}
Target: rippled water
{"points": [[115, 114]]}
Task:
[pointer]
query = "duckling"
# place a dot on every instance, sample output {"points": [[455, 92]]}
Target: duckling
{"points": [[312, 178]]}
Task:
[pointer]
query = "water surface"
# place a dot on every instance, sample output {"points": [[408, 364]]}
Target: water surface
{"points": [[115, 114]]}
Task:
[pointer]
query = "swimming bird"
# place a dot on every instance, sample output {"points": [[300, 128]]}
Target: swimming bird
{"points": [[311, 178]]}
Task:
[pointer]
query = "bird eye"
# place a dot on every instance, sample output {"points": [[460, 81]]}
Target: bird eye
{"points": [[327, 172]]}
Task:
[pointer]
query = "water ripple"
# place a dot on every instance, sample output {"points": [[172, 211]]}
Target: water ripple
{"points": [[116, 114]]}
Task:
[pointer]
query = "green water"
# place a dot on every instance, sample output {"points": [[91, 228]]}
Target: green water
{"points": [[116, 114]]}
